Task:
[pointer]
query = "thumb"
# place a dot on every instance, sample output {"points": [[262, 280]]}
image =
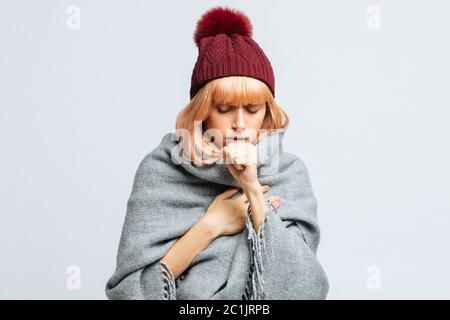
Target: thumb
{"points": [[232, 169]]}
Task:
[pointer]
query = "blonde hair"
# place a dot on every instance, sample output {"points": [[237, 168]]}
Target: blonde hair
{"points": [[234, 90]]}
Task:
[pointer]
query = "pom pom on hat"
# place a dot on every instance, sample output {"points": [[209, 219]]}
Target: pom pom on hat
{"points": [[222, 20], [229, 49]]}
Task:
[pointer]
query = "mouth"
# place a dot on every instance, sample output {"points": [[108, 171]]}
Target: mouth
{"points": [[245, 139]]}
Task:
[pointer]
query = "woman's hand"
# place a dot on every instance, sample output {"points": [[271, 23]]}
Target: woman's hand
{"points": [[241, 162], [228, 216]]}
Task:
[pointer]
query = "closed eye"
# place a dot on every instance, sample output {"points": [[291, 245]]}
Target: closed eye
{"points": [[250, 108], [253, 109], [223, 109]]}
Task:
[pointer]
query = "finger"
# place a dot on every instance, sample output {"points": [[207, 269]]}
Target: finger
{"points": [[246, 154], [265, 188], [239, 159], [237, 163], [275, 201], [228, 193], [232, 169]]}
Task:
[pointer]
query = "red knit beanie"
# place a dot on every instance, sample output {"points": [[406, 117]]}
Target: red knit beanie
{"points": [[226, 48]]}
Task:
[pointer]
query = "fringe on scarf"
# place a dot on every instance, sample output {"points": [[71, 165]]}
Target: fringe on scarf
{"points": [[257, 242], [169, 280], [255, 284]]}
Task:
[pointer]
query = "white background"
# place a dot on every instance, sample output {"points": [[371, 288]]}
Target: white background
{"points": [[369, 110]]}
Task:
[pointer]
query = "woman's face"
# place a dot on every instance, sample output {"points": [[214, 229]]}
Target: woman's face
{"points": [[236, 122]]}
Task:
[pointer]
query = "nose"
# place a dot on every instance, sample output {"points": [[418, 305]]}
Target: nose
{"points": [[239, 123]]}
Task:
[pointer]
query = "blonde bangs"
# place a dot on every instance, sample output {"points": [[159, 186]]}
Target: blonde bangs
{"points": [[238, 90]]}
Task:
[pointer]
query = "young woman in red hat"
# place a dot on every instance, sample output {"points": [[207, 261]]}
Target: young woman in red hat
{"points": [[216, 196]]}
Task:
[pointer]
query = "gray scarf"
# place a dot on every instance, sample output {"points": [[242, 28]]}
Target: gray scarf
{"points": [[170, 195]]}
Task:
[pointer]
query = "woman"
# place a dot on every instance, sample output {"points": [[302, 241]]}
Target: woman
{"points": [[187, 234]]}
